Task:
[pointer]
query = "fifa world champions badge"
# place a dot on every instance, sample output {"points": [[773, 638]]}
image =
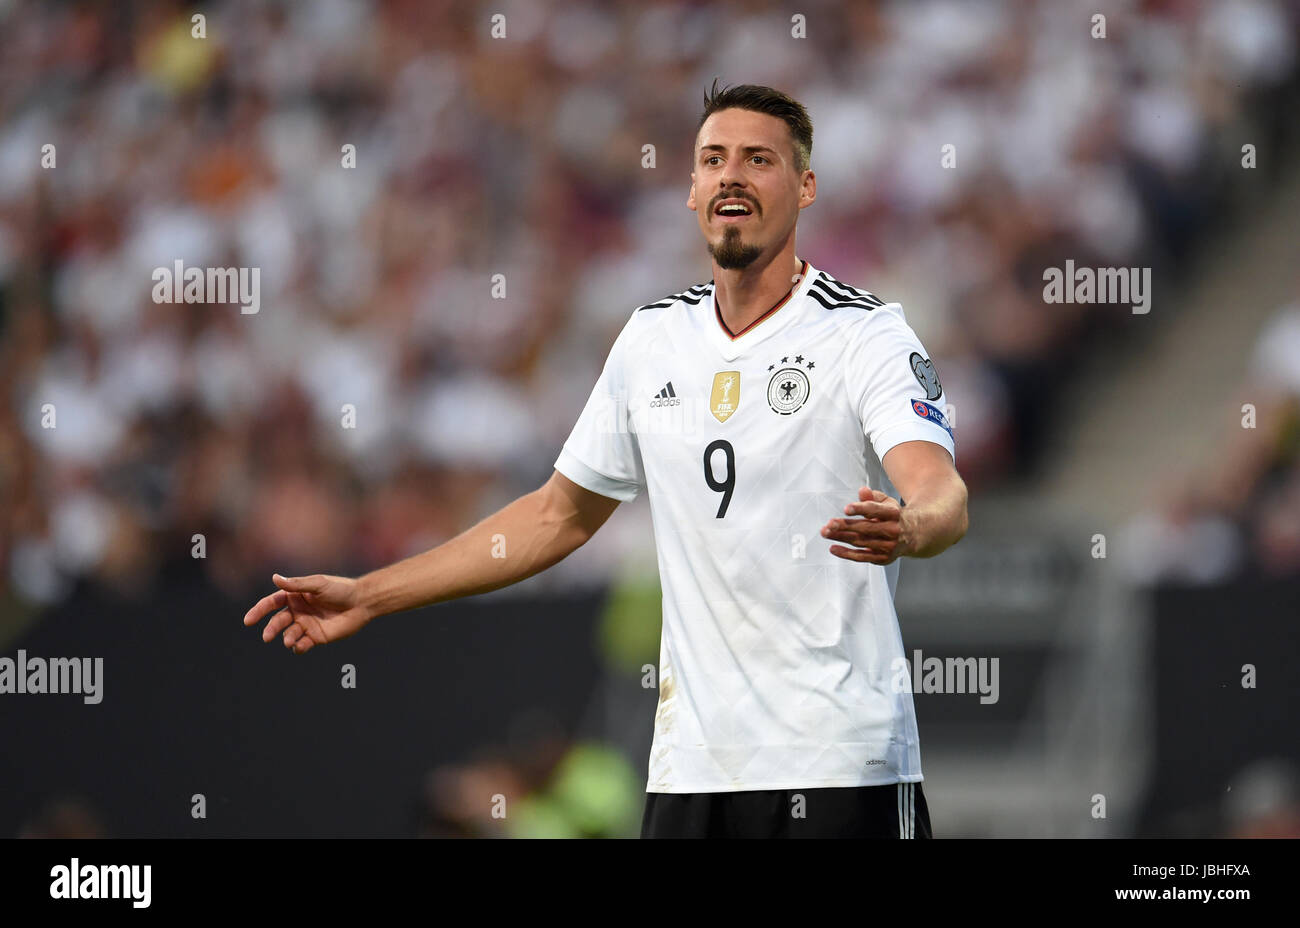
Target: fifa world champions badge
{"points": [[726, 394]]}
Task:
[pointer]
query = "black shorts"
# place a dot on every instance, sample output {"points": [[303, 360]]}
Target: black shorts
{"points": [[896, 810]]}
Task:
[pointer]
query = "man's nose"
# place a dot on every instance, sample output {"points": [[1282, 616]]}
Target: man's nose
{"points": [[732, 176], [732, 183]]}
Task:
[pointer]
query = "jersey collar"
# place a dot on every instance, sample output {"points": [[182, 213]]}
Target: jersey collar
{"points": [[772, 321]]}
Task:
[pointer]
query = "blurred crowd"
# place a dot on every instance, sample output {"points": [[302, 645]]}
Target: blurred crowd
{"points": [[433, 318], [1239, 511]]}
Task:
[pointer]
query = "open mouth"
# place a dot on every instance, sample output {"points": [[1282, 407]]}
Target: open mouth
{"points": [[733, 210]]}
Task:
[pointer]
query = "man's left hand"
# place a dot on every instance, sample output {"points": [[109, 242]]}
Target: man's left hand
{"points": [[879, 536]]}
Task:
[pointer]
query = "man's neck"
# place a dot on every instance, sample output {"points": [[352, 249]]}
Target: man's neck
{"points": [[743, 295]]}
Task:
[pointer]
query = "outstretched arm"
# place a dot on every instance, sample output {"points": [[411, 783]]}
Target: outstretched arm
{"points": [[534, 532]]}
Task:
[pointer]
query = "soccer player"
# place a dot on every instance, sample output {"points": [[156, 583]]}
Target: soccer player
{"points": [[789, 432]]}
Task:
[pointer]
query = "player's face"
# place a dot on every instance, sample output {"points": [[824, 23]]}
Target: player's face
{"points": [[745, 188]]}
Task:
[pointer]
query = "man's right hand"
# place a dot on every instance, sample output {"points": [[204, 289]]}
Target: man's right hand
{"points": [[312, 611], [543, 526]]}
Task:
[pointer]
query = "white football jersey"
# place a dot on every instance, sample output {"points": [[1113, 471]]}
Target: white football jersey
{"points": [[777, 665]]}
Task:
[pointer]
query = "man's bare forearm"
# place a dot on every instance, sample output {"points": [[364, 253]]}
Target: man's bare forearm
{"points": [[935, 519], [519, 540]]}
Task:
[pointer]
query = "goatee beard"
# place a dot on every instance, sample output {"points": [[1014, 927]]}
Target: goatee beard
{"points": [[732, 254]]}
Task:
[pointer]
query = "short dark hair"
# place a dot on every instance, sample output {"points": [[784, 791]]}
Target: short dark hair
{"points": [[762, 99]]}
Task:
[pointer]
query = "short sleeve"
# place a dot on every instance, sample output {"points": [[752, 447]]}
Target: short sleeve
{"points": [[895, 387], [601, 452]]}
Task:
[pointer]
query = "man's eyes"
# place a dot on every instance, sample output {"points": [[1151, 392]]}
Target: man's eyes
{"points": [[713, 158]]}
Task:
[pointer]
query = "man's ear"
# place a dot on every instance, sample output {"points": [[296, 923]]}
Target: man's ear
{"points": [[690, 197], [808, 189]]}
